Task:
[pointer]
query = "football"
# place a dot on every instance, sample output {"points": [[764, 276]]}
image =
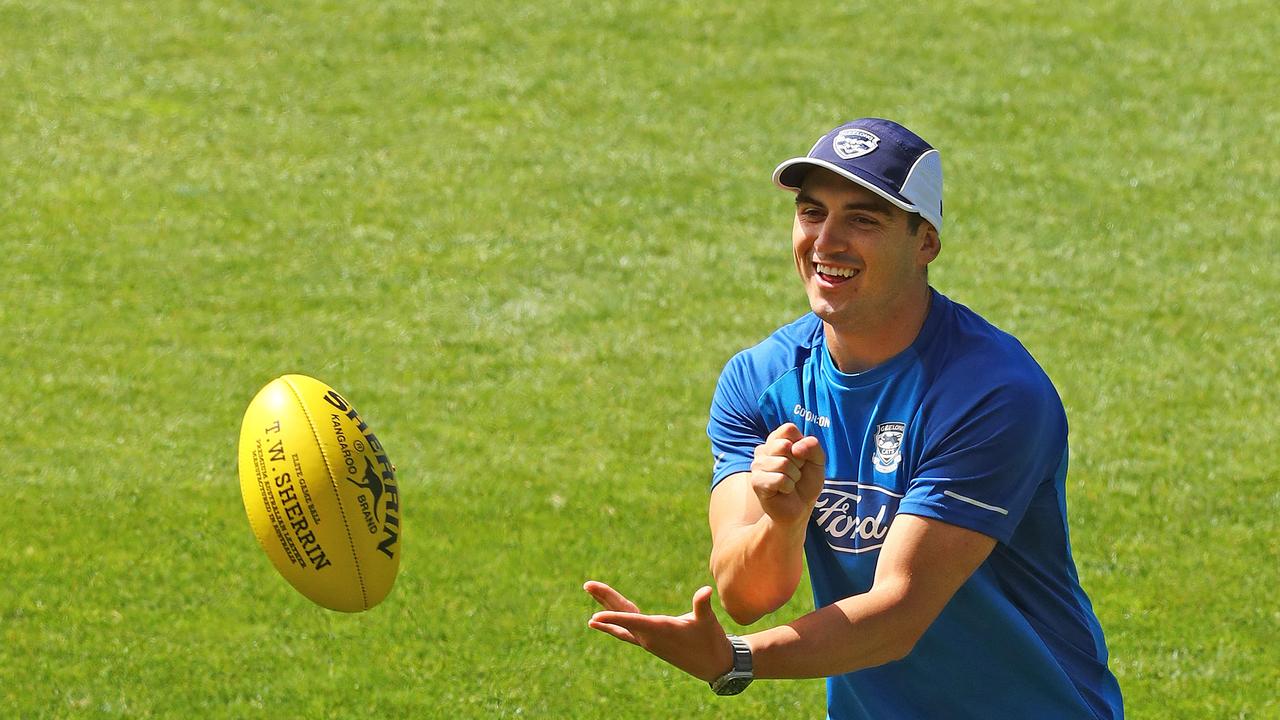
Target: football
{"points": [[320, 493]]}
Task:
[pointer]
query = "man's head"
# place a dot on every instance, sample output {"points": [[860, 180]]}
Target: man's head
{"points": [[868, 208], [880, 155]]}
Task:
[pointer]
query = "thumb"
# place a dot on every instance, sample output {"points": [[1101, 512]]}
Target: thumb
{"points": [[813, 469], [702, 606], [810, 451]]}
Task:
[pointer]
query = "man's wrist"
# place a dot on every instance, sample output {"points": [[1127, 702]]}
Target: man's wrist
{"points": [[793, 530], [739, 675]]}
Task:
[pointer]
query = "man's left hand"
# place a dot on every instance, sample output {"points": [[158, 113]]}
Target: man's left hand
{"points": [[694, 642]]}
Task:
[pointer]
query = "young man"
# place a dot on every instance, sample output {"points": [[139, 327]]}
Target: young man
{"points": [[913, 454]]}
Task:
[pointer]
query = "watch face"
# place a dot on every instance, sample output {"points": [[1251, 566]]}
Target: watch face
{"points": [[733, 685]]}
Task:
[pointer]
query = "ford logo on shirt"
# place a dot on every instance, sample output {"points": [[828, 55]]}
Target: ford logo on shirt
{"points": [[854, 516]]}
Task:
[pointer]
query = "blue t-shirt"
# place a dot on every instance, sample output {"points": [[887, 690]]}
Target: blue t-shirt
{"points": [[963, 426]]}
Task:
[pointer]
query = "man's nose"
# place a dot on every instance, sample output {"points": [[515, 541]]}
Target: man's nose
{"points": [[827, 238]]}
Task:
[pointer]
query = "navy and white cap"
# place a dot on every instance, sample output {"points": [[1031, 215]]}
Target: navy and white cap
{"points": [[881, 156]]}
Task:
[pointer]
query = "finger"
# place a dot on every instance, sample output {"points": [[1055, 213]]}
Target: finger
{"points": [[638, 625], [780, 447], [779, 441], [616, 631], [770, 484], [777, 447], [785, 431], [609, 598], [781, 465]]}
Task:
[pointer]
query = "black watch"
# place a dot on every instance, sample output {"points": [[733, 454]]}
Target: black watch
{"points": [[739, 676]]}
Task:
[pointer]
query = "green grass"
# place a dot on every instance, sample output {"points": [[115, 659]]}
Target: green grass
{"points": [[524, 240]]}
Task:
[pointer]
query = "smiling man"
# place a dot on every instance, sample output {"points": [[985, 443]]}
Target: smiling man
{"points": [[912, 454]]}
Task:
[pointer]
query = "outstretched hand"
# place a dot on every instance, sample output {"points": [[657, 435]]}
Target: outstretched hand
{"points": [[694, 642]]}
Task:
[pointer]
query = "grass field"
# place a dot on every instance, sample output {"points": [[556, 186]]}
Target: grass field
{"points": [[524, 239]]}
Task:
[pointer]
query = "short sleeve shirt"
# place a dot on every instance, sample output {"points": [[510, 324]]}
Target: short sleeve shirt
{"points": [[962, 427]]}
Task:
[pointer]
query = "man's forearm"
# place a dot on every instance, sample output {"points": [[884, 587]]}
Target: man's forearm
{"points": [[921, 566], [757, 567], [858, 632]]}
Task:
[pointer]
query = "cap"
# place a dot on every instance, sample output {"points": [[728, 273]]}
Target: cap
{"points": [[881, 156]]}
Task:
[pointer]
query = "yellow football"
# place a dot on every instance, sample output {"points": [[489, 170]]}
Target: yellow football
{"points": [[320, 493]]}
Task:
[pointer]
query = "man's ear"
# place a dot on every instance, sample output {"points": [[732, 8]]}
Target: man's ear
{"points": [[930, 243]]}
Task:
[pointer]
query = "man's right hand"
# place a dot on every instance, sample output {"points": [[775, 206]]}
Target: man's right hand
{"points": [[787, 475]]}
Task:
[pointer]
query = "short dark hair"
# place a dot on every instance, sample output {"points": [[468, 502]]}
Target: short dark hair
{"points": [[913, 222]]}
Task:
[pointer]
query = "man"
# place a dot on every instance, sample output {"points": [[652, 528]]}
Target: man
{"points": [[913, 454]]}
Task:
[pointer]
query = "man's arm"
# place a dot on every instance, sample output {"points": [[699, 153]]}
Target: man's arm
{"points": [[922, 564], [756, 562], [758, 522]]}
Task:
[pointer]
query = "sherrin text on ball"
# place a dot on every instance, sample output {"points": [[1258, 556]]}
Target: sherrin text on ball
{"points": [[320, 493]]}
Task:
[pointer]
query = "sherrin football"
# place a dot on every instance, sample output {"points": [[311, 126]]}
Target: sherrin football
{"points": [[320, 493]]}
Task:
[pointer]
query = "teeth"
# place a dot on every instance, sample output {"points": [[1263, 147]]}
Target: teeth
{"points": [[838, 272]]}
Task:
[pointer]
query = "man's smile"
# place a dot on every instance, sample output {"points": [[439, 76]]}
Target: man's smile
{"points": [[833, 275]]}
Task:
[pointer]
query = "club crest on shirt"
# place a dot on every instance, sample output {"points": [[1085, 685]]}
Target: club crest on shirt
{"points": [[888, 441]]}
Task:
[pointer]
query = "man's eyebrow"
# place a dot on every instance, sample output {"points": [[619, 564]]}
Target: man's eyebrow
{"points": [[871, 205], [803, 198], [875, 205]]}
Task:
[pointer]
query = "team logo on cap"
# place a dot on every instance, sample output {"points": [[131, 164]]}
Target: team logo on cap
{"points": [[888, 446], [854, 142]]}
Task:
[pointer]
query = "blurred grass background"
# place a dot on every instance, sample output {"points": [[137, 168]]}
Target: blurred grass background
{"points": [[524, 238]]}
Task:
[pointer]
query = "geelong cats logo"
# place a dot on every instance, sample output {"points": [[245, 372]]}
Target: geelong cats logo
{"points": [[888, 446], [854, 142]]}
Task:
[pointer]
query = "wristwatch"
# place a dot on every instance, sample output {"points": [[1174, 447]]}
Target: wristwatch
{"points": [[739, 676]]}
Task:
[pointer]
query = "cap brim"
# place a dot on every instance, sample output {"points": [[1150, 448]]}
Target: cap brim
{"points": [[790, 174]]}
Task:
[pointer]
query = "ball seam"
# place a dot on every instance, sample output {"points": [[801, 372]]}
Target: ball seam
{"points": [[333, 484]]}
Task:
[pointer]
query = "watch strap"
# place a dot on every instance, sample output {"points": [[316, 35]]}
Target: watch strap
{"points": [[741, 654], [740, 675]]}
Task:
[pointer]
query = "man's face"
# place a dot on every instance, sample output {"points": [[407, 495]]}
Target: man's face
{"points": [[855, 251]]}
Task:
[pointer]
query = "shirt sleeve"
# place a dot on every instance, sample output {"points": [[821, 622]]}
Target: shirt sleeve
{"points": [[989, 459], [736, 425]]}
